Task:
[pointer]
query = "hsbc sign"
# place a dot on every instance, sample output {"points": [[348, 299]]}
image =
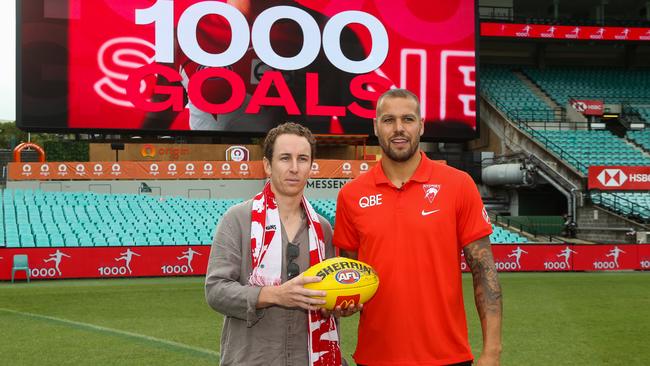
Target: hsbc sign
{"points": [[619, 178], [612, 177], [588, 107]]}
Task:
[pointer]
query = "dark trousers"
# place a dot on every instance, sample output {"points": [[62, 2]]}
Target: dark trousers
{"points": [[466, 363]]}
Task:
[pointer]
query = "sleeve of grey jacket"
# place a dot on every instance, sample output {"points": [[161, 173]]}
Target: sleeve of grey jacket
{"points": [[223, 290]]}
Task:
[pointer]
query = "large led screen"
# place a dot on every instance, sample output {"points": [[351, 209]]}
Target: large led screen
{"points": [[238, 66]]}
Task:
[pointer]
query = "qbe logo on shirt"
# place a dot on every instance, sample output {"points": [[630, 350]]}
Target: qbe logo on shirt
{"points": [[370, 201]]}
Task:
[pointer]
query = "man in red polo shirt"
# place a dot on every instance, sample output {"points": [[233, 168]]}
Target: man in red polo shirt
{"points": [[410, 218]]}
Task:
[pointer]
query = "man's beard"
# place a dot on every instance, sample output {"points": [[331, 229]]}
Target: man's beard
{"points": [[401, 156]]}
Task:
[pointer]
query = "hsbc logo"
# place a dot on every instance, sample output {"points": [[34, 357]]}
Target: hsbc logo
{"points": [[579, 106], [612, 177], [643, 178]]}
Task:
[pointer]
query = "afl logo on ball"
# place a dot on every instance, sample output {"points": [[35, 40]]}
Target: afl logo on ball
{"points": [[347, 276]]}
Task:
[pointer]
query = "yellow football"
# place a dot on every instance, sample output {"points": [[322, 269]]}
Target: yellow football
{"points": [[346, 281]]}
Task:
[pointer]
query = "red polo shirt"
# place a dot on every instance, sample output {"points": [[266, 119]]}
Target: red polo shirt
{"points": [[413, 237]]}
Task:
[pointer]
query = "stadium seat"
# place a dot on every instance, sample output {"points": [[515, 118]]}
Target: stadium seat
{"points": [[641, 138], [515, 99], [633, 204], [576, 147], [20, 264], [612, 85], [59, 219]]}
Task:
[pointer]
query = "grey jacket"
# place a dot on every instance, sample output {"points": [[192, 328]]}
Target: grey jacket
{"points": [[270, 336]]}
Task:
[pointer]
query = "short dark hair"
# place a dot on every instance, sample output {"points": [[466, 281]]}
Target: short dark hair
{"points": [[399, 93], [290, 128]]}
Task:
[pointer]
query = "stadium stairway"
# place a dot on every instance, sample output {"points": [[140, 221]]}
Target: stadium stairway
{"points": [[564, 170], [640, 139], [516, 99], [537, 90], [644, 112]]}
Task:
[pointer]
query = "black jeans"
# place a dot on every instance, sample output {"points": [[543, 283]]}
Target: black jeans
{"points": [[466, 363]]}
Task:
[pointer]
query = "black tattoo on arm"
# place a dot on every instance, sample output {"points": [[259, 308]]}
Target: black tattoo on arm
{"points": [[487, 290]]}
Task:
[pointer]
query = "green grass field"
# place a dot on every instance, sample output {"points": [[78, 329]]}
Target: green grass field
{"points": [[549, 319]]}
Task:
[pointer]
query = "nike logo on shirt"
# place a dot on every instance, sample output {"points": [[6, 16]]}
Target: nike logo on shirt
{"points": [[425, 213]]}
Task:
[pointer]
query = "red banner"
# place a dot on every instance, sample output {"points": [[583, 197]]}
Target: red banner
{"points": [[139, 261], [588, 107], [619, 178], [607, 257], [644, 257], [132, 170], [567, 257], [564, 32], [105, 262]]}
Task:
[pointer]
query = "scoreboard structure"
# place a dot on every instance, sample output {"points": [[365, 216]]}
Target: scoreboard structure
{"points": [[198, 66]]}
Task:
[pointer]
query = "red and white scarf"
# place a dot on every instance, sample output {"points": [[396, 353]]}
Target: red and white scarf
{"points": [[266, 255]]}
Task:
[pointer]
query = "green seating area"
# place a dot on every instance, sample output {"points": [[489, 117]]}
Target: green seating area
{"points": [[593, 148], [327, 209], [643, 111], [504, 236], [613, 85], [86, 219], [632, 204], [513, 97], [641, 138]]}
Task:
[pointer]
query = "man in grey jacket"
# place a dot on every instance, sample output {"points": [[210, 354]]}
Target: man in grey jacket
{"points": [[259, 252]]}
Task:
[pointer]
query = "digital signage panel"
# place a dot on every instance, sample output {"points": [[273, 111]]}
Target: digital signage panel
{"points": [[238, 66]]}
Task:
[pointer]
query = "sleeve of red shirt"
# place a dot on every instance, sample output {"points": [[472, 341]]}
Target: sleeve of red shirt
{"points": [[472, 222], [345, 235]]}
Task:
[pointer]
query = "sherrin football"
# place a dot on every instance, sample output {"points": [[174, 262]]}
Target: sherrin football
{"points": [[346, 281]]}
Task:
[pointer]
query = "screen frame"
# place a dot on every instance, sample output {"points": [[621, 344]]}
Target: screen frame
{"points": [[30, 126]]}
